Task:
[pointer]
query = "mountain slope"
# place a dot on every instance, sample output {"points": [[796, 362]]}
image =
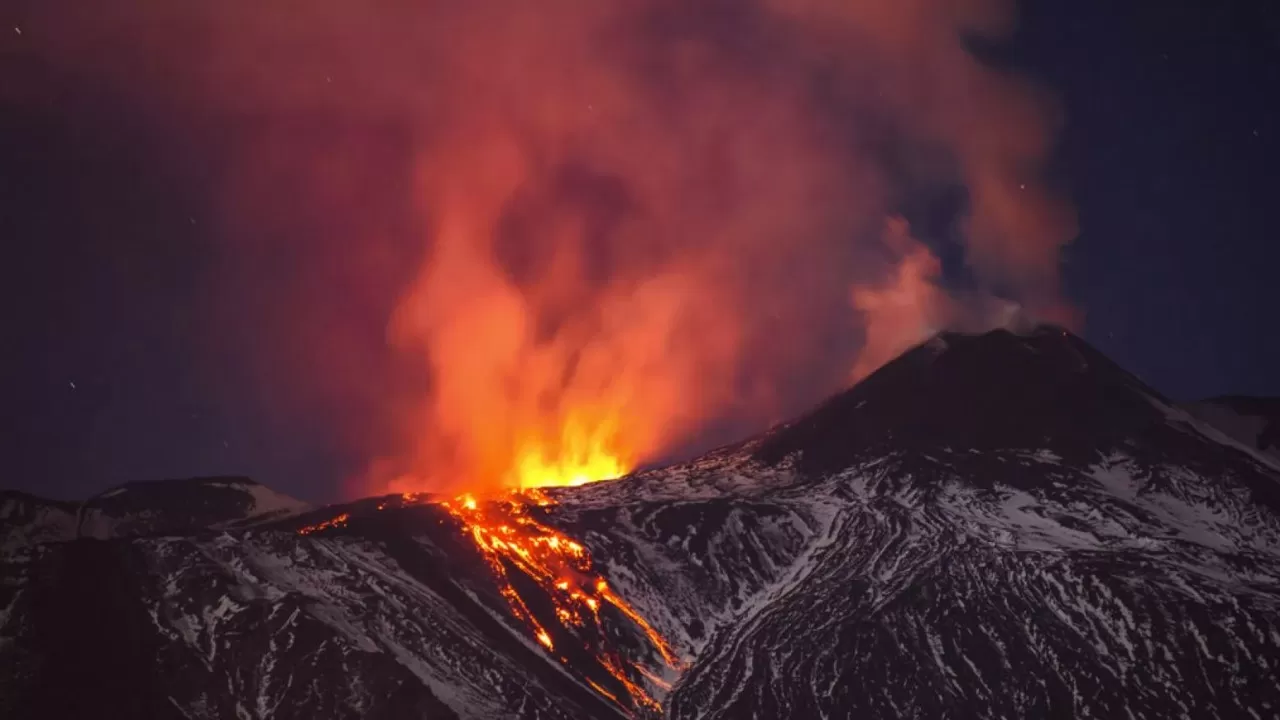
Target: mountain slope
{"points": [[1253, 421], [174, 506], [933, 597], [989, 526], [141, 508], [1029, 531]]}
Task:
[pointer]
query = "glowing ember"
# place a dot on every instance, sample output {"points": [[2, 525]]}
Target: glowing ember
{"points": [[335, 522], [545, 639], [508, 536]]}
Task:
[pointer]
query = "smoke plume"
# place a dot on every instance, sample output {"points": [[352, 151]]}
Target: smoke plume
{"points": [[503, 243]]}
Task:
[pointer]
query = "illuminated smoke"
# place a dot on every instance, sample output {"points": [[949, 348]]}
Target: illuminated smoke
{"points": [[908, 306], [592, 231]]}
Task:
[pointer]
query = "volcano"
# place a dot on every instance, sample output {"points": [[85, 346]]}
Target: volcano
{"points": [[995, 525]]}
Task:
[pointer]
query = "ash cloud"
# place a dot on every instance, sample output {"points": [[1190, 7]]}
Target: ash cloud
{"points": [[475, 237]]}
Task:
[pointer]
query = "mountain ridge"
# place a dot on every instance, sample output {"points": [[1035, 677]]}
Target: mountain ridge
{"points": [[1102, 552]]}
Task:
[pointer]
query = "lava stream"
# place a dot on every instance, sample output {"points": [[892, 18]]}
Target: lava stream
{"points": [[507, 535], [335, 522]]}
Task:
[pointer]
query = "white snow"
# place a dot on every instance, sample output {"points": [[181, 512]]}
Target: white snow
{"points": [[268, 501]]}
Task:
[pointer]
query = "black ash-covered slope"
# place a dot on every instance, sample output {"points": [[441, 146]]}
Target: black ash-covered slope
{"points": [[997, 525], [1042, 391], [999, 390]]}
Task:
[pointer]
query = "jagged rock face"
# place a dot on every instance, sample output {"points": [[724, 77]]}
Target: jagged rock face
{"points": [[990, 526]]}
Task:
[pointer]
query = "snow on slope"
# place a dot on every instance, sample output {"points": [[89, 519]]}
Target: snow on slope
{"points": [[932, 599], [335, 600], [994, 526]]}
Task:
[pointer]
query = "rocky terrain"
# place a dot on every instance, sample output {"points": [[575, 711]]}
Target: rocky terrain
{"points": [[992, 526]]}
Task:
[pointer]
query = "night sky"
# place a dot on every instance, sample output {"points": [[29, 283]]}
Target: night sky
{"points": [[1171, 152]]}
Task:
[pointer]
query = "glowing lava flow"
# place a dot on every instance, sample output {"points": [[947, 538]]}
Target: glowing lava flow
{"points": [[336, 522], [508, 536]]}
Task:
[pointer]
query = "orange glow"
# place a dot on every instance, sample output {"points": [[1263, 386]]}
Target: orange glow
{"points": [[545, 639], [551, 379], [586, 254], [596, 686], [605, 275], [906, 308], [335, 522], [579, 465], [509, 537], [659, 643]]}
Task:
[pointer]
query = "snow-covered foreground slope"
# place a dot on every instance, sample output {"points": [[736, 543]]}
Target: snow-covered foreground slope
{"points": [[995, 526]]}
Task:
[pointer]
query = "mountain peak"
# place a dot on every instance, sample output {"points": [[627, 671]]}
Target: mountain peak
{"points": [[1041, 389], [964, 563]]}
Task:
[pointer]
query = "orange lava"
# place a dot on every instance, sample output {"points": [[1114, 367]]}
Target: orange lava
{"points": [[508, 536], [335, 522]]}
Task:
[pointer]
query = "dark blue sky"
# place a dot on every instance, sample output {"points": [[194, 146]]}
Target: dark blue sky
{"points": [[1171, 150]]}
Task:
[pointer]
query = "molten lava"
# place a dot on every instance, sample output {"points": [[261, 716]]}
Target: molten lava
{"points": [[510, 538], [335, 522]]}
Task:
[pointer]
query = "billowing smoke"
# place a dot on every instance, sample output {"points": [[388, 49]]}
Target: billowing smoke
{"points": [[546, 242]]}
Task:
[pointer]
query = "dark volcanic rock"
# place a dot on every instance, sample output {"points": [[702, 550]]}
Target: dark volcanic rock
{"points": [[990, 526], [997, 391], [28, 520], [1044, 392], [182, 506], [143, 508]]}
